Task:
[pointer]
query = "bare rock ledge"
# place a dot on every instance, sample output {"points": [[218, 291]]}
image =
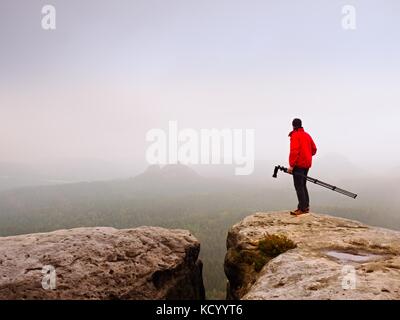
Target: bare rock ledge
{"points": [[102, 263], [335, 258]]}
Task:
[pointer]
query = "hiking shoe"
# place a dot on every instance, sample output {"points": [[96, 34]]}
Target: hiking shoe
{"points": [[293, 212], [298, 212]]}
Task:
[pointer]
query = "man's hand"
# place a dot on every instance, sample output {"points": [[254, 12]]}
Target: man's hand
{"points": [[290, 170]]}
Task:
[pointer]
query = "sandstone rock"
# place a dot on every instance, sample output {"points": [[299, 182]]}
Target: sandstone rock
{"points": [[102, 263], [335, 258]]}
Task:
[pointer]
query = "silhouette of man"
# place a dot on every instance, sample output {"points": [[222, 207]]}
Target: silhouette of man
{"points": [[302, 149]]}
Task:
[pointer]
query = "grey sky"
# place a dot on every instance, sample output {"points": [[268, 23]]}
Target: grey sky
{"points": [[114, 69]]}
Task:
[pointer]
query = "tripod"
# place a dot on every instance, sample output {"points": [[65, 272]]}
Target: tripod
{"points": [[316, 181]]}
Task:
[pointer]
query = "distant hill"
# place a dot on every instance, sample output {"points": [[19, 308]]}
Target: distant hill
{"points": [[60, 171], [172, 177], [14, 175]]}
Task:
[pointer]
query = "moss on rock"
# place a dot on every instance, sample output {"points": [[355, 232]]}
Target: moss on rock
{"points": [[274, 244], [268, 248]]}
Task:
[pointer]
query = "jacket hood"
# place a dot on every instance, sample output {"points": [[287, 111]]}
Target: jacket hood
{"points": [[297, 129]]}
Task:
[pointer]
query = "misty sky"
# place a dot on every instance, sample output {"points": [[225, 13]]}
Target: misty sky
{"points": [[112, 70]]}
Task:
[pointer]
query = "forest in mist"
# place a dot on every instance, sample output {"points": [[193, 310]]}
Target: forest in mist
{"points": [[78, 102], [176, 196]]}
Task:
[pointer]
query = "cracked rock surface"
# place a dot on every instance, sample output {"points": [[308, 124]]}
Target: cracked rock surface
{"points": [[335, 258], [102, 263]]}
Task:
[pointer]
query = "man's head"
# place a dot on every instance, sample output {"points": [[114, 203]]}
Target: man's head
{"points": [[296, 123]]}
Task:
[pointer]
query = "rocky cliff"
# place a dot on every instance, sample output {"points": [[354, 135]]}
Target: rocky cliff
{"points": [[278, 256], [101, 263]]}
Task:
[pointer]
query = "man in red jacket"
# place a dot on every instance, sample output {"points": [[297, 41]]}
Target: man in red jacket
{"points": [[302, 149]]}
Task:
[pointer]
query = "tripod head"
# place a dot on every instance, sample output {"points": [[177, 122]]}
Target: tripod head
{"points": [[275, 175]]}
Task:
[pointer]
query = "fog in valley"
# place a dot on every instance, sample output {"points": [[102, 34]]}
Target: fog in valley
{"points": [[77, 102]]}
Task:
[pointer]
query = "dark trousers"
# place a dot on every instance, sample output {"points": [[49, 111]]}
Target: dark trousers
{"points": [[301, 188]]}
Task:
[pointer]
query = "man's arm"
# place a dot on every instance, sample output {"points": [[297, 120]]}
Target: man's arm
{"points": [[313, 147], [294, 152]]}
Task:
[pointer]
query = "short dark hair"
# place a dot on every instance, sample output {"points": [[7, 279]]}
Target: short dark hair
{"points": [[296, 123]]}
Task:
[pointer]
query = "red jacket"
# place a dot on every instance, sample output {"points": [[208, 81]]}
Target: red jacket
{"points": [[302, 148]]}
